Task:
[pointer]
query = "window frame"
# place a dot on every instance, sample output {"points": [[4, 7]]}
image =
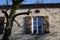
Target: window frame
{"points": [[29, 24], [32, 27]]}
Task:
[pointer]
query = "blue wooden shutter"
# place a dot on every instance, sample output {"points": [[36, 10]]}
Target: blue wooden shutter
{"points": [[1, 24]]}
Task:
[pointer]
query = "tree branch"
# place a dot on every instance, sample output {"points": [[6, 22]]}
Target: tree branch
{"points": [[17, 23], [17, 2], [5, 13], [24, 13]]}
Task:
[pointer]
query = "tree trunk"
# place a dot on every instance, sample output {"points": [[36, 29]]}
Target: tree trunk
{"points": [[8, 29], [10, 19], [9, 24]]}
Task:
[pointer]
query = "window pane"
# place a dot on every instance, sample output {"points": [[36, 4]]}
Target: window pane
{"points": [[40, 19], [39, 27], [35, 29], [34, 19], [35, 23], [39, 24]]}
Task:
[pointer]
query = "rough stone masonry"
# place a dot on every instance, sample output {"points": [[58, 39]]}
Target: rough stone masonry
{"points": [[54, 25]]}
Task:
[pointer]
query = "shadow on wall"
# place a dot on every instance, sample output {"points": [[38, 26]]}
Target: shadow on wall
{"points": [[27, 25], [24, 26], [25, 36]]}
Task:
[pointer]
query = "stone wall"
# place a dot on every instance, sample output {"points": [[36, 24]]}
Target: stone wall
{"points": [[54, 25]]}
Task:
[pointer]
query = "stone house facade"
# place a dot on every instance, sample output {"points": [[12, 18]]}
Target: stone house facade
{"points": [[45, 15]]}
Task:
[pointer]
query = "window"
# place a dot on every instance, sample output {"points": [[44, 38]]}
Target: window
{"points": [[37, 24], [1, 24]]}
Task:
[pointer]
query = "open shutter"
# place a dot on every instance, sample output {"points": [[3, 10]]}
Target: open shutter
{"points": [[1, 24], [46, 24], [28, 24]]}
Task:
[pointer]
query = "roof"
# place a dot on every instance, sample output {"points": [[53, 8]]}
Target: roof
{"points": [[57, 5]]}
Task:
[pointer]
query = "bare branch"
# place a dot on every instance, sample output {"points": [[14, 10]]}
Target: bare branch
{"points": [[17, 23], [17, 2], [24, 13], [5, 13]]}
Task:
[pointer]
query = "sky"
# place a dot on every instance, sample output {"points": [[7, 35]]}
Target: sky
{"points": [[3, 2]]}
